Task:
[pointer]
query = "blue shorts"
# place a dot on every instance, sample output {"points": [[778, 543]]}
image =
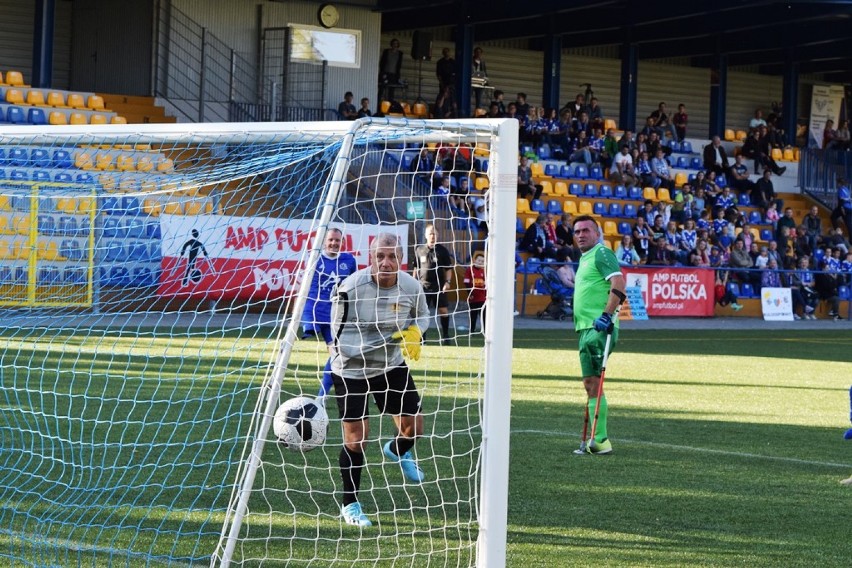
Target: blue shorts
{"points": [[319, 329]]}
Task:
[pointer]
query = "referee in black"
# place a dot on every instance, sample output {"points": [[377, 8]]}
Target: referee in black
{"points": [[433, 267]]}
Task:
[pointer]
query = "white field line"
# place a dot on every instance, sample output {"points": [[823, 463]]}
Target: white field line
{"points": [[700, 450]]}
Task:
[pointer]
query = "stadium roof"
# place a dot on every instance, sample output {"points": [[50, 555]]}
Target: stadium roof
{"points": [[816, 34]]}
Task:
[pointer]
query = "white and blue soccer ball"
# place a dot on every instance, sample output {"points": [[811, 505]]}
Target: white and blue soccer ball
{"points": [[300, 424]]}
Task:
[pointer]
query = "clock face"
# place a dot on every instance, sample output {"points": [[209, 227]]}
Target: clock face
{"points": [[328, 15]]}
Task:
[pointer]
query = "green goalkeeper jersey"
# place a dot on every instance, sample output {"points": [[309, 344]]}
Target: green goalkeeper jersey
{"points": [[591, 285]]}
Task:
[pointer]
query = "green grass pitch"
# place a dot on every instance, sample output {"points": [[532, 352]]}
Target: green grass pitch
{"points": [[728, 451]]}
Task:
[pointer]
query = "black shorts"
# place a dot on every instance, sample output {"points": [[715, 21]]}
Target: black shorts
{"points": [[394, 392], [436, 299]]}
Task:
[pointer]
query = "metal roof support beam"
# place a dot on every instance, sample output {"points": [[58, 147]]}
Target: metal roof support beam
{"points": [[43, 43], [552, 70], [790, 99], [718, 95], [464, 53]]}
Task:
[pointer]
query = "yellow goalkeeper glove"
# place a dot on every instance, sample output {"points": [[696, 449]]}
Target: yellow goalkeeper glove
{"points": [[410, 342]]}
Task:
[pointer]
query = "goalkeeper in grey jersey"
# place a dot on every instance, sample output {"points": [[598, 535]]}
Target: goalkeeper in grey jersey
{"points": [[378, 317]]}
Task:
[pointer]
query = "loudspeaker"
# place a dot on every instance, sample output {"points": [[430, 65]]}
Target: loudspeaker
{"points": [[421, 45]]}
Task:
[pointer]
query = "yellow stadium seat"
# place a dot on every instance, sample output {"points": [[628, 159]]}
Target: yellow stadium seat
{"points": [[77, 118], [570, 207], [95, 102], [384, 107], [144, 164], [795, 154], [22, 224], [98, 119], [169, 188], [21, 250], [560, 189], [173, 208], [730, 135], [14, 97], [537, 169], [547, 187], [5, 203], [777, 154], [118, 120], [208, 207], [104, 161], [649, 193], [83, 161], [85, 205], [66, 205], [75, 101], [610, 123], [482, 149], [56, 99], [128, 185], [610, 229], [165, 166], [14, 78], [481, 183], [406, 109], [788, 155], [420, 110], [5, 250], [529, 221], [680, 179], [754, 233], [47, 250], [479, 113], [663, 195], [5, 229], [523, 206], [740, 135], [152, 207], [35, 98], [142, 147], [107, 181], [585, 208], [190, 190], [125, 163], [609, 244], [192, 208]]}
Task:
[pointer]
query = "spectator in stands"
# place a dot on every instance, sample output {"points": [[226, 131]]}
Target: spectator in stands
{"points": [[642, 143], [840, 141], [661, 254], [582, 124], [521, 106], [346, 109], [532, 127], [773, 135], [527, 188], [828, 288], [596, 116], [843, 211], [479, 75], [785, 221], [719, 223], [724, 296], [511, 111], [802, 245], [764, 192], [474, 281], [774, 253], [715, 157], [680, 120], [757, 121], [445, 104], [493, 110], [836, 239], [610, 149], [662, 123], [648, 128], [535, 240], [728, 203], [813, 226], [565, 237], [769, 277], [828, 133], [764, 145], [646, 175], [751, 150], [846, 268], [444, 188], [596, 144], [621, 170], [579, 149], [480, 213], [655, 143], [445, 69], [627, 140], [625, 253], [498, 98], [739, 176], [642, 237], [365, 111], [579, 105], [662, 171], [390, 65], [740, 261], [459, 194], [688, 237], [700, 256], [423, 167], [802, 290]]}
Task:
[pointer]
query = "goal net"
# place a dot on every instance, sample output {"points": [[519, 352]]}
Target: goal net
{"points": [[153, 282]]}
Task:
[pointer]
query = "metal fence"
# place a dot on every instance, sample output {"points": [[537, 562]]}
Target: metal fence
{"points": [[819, 170]]}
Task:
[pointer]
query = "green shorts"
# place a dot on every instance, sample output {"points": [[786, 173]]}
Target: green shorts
{"points": [[592, 344]]}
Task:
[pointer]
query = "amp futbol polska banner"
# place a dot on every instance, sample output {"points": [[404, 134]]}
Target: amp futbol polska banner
{"points": [[673, 291], [248, 258]]}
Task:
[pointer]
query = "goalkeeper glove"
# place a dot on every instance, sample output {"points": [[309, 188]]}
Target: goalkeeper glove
{"points": [[604, 323], [410, 342]]}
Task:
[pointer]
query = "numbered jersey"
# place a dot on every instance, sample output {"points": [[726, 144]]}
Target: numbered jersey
{"points": [[329, 272]]}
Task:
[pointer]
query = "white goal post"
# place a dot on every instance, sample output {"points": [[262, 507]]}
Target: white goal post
{"points": [[116, 262]]}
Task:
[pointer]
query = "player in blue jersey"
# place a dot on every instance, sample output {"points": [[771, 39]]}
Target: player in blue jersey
{"points": [[332, 267]]}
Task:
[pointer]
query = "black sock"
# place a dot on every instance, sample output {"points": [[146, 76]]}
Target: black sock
{"points": [[401, 445], [351, 464], [445, 326]]}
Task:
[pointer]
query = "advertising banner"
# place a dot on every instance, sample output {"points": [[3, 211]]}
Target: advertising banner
{"points": [[826, 101], [673, 291], [777, 304], [223, 257]]}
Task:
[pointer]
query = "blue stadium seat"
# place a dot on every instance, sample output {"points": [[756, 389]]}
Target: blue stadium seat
{"points": [[629, 210], [137, 250], [15, 115], [136, 227], [734, 288], [111, 205], [85, 177], [67, 225], [674, 145], [46, 225], [695, 164], [519, 226], [754, 218], [526, 149], [544, 151], [599, 208], [18, 157], [39, 158], [19, 175], [130, 205], [62, 159], [152, 230], [721, 180], [819, 254], [686, 147], [21, 275], [581, 172], [154, 251], [63, 177], [691, 178], [538, 206], [596, 173], [565, 172], [118, 276], [407, 159], [114, 252], [112, 227], [483, 166], [5, 275], [4, 159], [743, 199], [620, 192], [554, 206], [70, 249], [681, 163], [635, 193], [144, 276], [624, 228], [75, 275], [614, 210], [766, 235], [748, 290], [606, 191], [575, 189], [551, 170], [48, 275], [590, 190], [36, 116], [843, 292], [532, 265], [41, 175]]}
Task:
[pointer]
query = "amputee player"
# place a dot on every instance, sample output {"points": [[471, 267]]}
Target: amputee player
{"points": [[379, 315], [598, 290], [332, 267]]}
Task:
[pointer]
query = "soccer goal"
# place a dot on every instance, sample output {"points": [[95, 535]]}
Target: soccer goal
{"points": [[153, 282]]}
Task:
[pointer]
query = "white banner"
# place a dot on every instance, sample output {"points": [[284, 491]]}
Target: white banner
{"points": [[777, 304], [826, 101]]}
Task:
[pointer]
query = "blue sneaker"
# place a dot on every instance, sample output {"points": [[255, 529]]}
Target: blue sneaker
{"points": [[353, 515], [409, 466]]}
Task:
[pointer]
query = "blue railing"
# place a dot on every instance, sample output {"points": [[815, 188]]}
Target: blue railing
{"points": [[819, 170]]}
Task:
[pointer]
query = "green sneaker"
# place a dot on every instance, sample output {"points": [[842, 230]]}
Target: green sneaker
{"points": [[600, 448]]}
